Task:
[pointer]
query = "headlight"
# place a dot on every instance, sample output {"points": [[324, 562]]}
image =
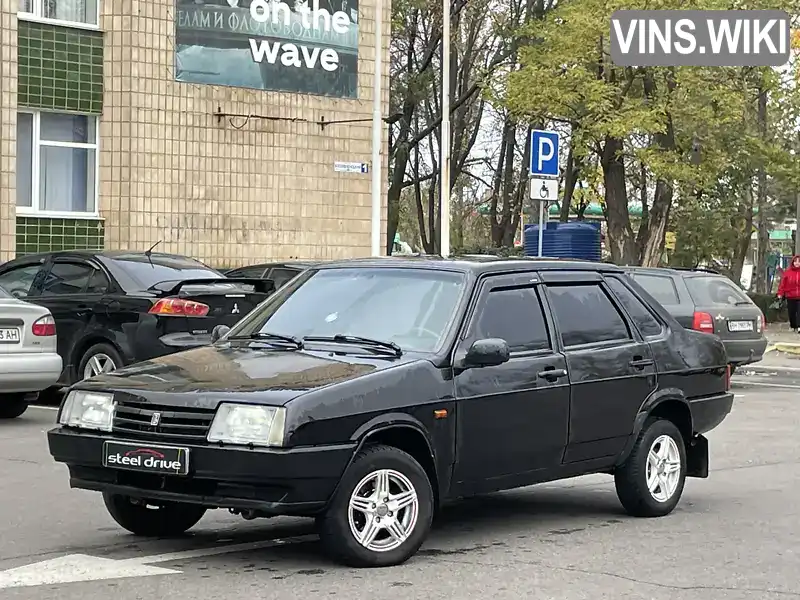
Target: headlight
{"points": [[248, 424], [88, 410]]}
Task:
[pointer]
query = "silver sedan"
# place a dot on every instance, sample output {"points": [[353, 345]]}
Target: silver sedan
{"points": [[29, 362]]}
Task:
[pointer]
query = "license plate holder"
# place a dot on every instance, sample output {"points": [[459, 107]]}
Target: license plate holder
{"points": [[146, 458], [738, 326], [10, 335]]}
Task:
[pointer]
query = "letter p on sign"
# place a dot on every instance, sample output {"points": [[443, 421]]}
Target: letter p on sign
{"points": [[544, 153]]}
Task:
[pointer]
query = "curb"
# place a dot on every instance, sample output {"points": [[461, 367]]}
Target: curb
{"points": [[787, 347]]}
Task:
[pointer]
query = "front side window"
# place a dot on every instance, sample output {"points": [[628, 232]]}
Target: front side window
{"points": [[514, 315], [586, 315], [84, 12], [56, 163], [18, 282], [410, 307]]}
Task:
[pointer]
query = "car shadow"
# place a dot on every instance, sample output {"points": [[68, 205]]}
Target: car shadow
{"points": [[469, 525]]}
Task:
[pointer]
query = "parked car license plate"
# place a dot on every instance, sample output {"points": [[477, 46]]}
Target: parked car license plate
{"points": [[9, 335], [147, 458], [740, 326]]}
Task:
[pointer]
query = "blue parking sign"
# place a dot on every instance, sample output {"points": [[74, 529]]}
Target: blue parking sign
{"points": [[544, 153]]}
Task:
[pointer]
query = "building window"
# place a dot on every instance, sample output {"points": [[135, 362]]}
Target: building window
{"points": [[56, 164], [68, 12]]}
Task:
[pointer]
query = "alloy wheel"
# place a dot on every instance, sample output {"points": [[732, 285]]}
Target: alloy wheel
{"points": [[663, 468], [383, 510], [98, 364]]}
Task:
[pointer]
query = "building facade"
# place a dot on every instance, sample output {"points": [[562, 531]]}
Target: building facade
{"points": [[233, 131]]}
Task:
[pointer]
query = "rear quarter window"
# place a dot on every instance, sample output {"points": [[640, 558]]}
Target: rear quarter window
{"points": [[660, 287], [715, 291]]}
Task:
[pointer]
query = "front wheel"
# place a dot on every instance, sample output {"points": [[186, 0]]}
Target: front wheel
{"points": [[167, 519], [381, 513], [13, 406], [651, 481]]}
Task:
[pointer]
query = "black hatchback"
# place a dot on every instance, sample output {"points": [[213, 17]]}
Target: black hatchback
{"points": [[710, 302], [117, 308]]}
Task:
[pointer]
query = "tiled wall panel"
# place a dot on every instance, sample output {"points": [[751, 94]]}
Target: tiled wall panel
{"points": [[8, 127], [37, 234], [60, 68]]}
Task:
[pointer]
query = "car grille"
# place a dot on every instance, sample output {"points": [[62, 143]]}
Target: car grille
{"points": [[185, 424]]}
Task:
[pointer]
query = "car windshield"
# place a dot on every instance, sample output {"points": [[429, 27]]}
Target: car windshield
{"points": [[160, 268], [411, 307], [715, 291]]}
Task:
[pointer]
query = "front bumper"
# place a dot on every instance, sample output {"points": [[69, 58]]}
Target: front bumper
{"points": [[709, 412], [743, 352], [295, 481], [29, 372]]}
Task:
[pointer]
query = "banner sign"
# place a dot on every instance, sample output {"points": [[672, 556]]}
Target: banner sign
{"points": [[307, 47]]}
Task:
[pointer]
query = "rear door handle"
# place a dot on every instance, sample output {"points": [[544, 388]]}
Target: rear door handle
{"points": [[641, 363], [552, 374]]}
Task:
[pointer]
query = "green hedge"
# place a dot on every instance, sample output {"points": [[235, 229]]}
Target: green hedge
{"points": [[764, 302]]}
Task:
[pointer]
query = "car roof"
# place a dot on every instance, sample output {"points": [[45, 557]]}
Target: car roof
{"points": [[473, 263], [292, 264], [675, 271], [108, 254]]}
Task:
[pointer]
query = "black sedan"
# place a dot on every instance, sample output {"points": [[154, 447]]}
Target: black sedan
{"points": [[368, 393], [117, 308]]}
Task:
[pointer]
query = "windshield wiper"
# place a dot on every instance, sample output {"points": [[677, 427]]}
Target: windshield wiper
{"points": [[270, 337], [355, 339]]}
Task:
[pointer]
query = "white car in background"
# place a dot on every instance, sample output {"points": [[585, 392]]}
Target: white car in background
{"points": [[29, 362]]}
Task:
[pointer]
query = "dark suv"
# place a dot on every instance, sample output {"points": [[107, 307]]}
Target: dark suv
{"points": [[367, 393], [710, 302]]}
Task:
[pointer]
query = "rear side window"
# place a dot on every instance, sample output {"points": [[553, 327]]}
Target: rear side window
{"points": [[98, 283], [247, 272], [645, 321], [715, 291], [660, 287], [586, 315], [514, 315], [67, 278], [147, 272], [282, 275]]}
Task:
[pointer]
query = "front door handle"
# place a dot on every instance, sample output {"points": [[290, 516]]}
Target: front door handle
{"points": [[552, 374], [641, 363]]}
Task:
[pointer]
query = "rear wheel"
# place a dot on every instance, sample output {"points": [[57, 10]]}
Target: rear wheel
{"points": [[382, 511], [99, 359], [651, 481], [165, 519], [12, 406]]}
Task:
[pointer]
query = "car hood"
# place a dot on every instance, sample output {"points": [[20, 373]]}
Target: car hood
{"points": [[205, 376]]}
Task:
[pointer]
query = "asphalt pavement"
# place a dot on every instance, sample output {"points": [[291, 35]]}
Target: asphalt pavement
{"points": [[733, 536]]}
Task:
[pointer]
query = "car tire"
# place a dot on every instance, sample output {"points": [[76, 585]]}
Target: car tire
{"points": [[164, 520], [351, 510], [651, 481], [102, 352], [13, 406]]}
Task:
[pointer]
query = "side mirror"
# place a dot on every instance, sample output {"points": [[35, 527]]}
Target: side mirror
{"points": [[218, 332], [487, 353]]}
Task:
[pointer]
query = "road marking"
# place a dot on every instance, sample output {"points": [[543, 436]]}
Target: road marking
{"points": [[760, 384], [40, 407], [73, 568]]}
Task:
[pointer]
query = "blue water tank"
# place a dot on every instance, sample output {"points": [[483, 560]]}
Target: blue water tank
{"points": [[578, 239]]}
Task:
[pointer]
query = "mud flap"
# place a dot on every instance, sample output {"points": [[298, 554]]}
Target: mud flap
{"points": [[697, 457]]}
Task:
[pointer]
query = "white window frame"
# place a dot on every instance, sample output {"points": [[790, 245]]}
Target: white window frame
{"points": [[38, 12], [36, 145]]}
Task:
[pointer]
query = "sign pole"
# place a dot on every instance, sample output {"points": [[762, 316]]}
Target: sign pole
{"points": [[541, 225], [445, 141], [377, 130]]}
